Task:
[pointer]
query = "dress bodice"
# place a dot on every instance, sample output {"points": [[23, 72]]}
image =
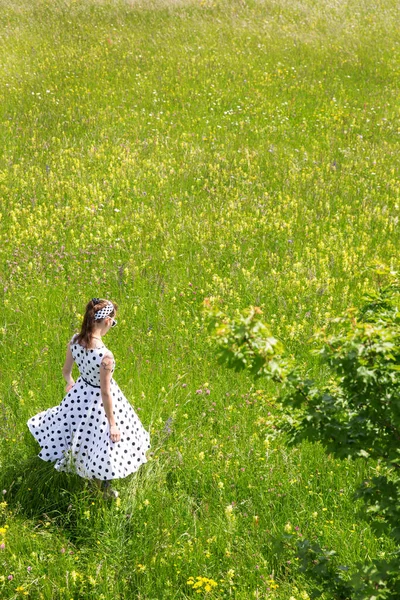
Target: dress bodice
{"points": [[89, 360]]}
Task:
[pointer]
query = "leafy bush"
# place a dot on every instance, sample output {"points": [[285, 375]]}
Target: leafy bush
{"points": [[356, 413]]}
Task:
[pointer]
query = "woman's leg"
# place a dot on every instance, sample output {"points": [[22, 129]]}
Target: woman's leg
{"points": [[108, 491]]}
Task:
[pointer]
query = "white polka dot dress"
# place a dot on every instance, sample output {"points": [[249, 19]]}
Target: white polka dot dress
{"points": [[76, 434]]}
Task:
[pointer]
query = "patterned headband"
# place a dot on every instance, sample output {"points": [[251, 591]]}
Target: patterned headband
{"points": [[104, 312]]}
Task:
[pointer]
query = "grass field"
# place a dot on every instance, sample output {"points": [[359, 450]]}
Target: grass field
{"points": [[158, 153]]}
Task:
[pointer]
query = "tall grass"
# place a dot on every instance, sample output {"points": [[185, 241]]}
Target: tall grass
{"points": [[158, 153]]}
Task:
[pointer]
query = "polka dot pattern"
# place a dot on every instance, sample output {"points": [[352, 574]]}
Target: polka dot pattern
{"points": [[104, 312], [76, 434]]}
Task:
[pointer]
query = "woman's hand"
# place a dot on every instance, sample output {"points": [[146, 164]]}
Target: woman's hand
{"points": [[68, 387], [115, 434]]}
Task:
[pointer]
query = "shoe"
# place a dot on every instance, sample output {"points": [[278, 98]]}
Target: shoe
{"points": [[108, 491]]}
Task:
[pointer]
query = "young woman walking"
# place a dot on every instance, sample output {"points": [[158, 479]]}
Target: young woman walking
{"points": [[94, 432]]}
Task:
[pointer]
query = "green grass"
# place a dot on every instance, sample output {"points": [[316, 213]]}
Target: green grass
{"points": [[159, 153]]}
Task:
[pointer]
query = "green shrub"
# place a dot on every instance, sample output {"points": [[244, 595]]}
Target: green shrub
{"points": [[354, 413]]}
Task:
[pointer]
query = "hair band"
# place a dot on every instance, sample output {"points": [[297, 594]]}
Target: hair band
{"points": [[104, 312]]}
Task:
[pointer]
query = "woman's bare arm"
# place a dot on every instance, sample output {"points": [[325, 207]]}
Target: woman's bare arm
{"points": [[106, 368], [67, 368]]}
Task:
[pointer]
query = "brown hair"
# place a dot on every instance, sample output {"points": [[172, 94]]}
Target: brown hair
{"points": [[87, 328]]}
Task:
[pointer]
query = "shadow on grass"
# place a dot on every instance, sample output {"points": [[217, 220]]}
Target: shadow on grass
{"points": [[35, 490], [33, 487]]}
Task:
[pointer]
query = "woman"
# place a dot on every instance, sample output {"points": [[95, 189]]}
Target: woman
{"points": [[94, 432]]}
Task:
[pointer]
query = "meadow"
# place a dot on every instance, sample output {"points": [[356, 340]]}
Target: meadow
{"points": [[159, 153]]}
